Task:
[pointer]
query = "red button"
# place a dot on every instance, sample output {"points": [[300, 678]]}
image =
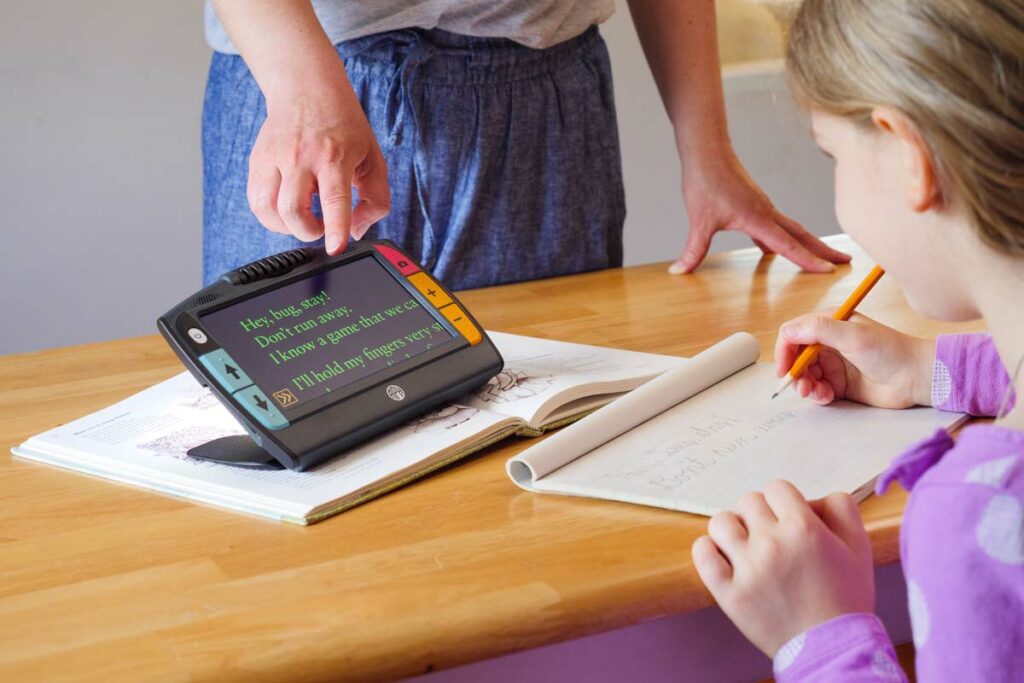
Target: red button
{"points": [[398, 259]]}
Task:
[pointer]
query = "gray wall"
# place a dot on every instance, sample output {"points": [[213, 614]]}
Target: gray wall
{"points": [[100, 171], [100, 166]]}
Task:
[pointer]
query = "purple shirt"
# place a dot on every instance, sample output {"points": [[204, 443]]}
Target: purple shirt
{"points": [[962, 546]]}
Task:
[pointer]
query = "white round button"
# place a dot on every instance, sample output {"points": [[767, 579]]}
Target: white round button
{"points": [[395, 392], [197, 335]]}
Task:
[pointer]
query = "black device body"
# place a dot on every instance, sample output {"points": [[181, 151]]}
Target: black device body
{"points": [[349, 400]]}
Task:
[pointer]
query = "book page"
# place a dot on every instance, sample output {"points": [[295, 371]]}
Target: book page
{"points": [[143, 440], [541, 375], [705, 369], [705, 453]]}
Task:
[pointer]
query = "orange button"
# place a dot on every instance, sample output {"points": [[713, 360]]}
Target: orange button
{"points": [[430, 289], [456, 316]]}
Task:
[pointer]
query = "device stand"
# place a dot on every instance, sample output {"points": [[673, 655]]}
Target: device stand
{"points": [[238, 450]]}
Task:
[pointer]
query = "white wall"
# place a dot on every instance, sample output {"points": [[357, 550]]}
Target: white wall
{"points": [[99, 167], [100, 170]]}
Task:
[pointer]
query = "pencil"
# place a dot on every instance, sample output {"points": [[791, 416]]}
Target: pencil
{"points": [[844, 312]]}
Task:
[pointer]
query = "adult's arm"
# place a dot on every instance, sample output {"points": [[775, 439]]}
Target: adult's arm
{"points": [[316, 137], [680, 42]]}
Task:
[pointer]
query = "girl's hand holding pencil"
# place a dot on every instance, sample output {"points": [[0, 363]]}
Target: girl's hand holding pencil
{"points": [[860, 360]]}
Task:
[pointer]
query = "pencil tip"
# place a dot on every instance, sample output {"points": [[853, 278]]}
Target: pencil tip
{"points": [[775, 394]]}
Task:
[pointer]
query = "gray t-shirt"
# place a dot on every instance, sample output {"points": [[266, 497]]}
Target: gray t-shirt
{"points": [[534, 23]]}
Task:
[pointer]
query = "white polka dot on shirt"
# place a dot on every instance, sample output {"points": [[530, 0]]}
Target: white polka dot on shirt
{"points": [[1000, 532], [920, 621], [788, 653], [884, 667], [992, 473], [942, 383]]}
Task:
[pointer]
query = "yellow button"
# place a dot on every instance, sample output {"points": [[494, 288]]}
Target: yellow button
{"points": [[456, 316], [430, 289]]}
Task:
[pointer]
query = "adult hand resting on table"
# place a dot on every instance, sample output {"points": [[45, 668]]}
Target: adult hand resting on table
{"points": [[680, 41], [719, 195], [316, 137]]}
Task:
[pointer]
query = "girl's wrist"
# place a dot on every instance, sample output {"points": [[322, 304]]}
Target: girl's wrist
{"points": [[923, 365]]}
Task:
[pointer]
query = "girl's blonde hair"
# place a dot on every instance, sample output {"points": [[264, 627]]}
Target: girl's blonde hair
{"points": [[954, 67]]}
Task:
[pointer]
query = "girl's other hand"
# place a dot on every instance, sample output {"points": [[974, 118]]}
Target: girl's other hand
{"points": [[780, 565], [860, 360]]}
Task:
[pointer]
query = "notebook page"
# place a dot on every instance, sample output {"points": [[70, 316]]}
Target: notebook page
{"points": [[704, 370], [702, 455]]}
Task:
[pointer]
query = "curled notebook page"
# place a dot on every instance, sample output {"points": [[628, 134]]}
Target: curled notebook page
{"points": [[707, 368]]}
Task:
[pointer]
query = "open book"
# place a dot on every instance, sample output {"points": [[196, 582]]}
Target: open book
{"points": [[698, 437], [144, 439]]}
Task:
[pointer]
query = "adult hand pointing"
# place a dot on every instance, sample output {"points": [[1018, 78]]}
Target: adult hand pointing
{"points": [[322, 143], [316, 138]]}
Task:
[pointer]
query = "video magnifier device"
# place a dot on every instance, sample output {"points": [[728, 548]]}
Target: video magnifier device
{"points": [[314, 354]]}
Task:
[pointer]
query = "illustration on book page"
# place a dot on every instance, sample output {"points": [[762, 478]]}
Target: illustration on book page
{"points": [[511, 385]]}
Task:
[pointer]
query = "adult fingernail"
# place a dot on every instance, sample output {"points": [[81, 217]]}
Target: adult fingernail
{"points": [[677, 268], [790, 331], [826, 266], [333, 242]]}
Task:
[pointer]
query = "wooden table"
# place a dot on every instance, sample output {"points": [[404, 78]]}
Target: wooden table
{"points": [[101, 580]]}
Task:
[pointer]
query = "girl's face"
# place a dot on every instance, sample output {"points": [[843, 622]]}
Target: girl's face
{"points": [[877, 191]]}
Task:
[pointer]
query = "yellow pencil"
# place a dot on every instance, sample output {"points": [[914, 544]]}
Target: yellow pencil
{"points": [[809, 353]]}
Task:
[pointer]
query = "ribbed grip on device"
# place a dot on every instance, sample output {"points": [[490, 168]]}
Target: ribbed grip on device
{"points": [[202, 299], [269, 266]]}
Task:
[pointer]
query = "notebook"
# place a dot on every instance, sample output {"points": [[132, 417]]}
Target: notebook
{"points": [[143, 440], [700, 436]]}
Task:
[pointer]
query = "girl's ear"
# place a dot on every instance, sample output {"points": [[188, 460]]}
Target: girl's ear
{"points": [[922, 185]]}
